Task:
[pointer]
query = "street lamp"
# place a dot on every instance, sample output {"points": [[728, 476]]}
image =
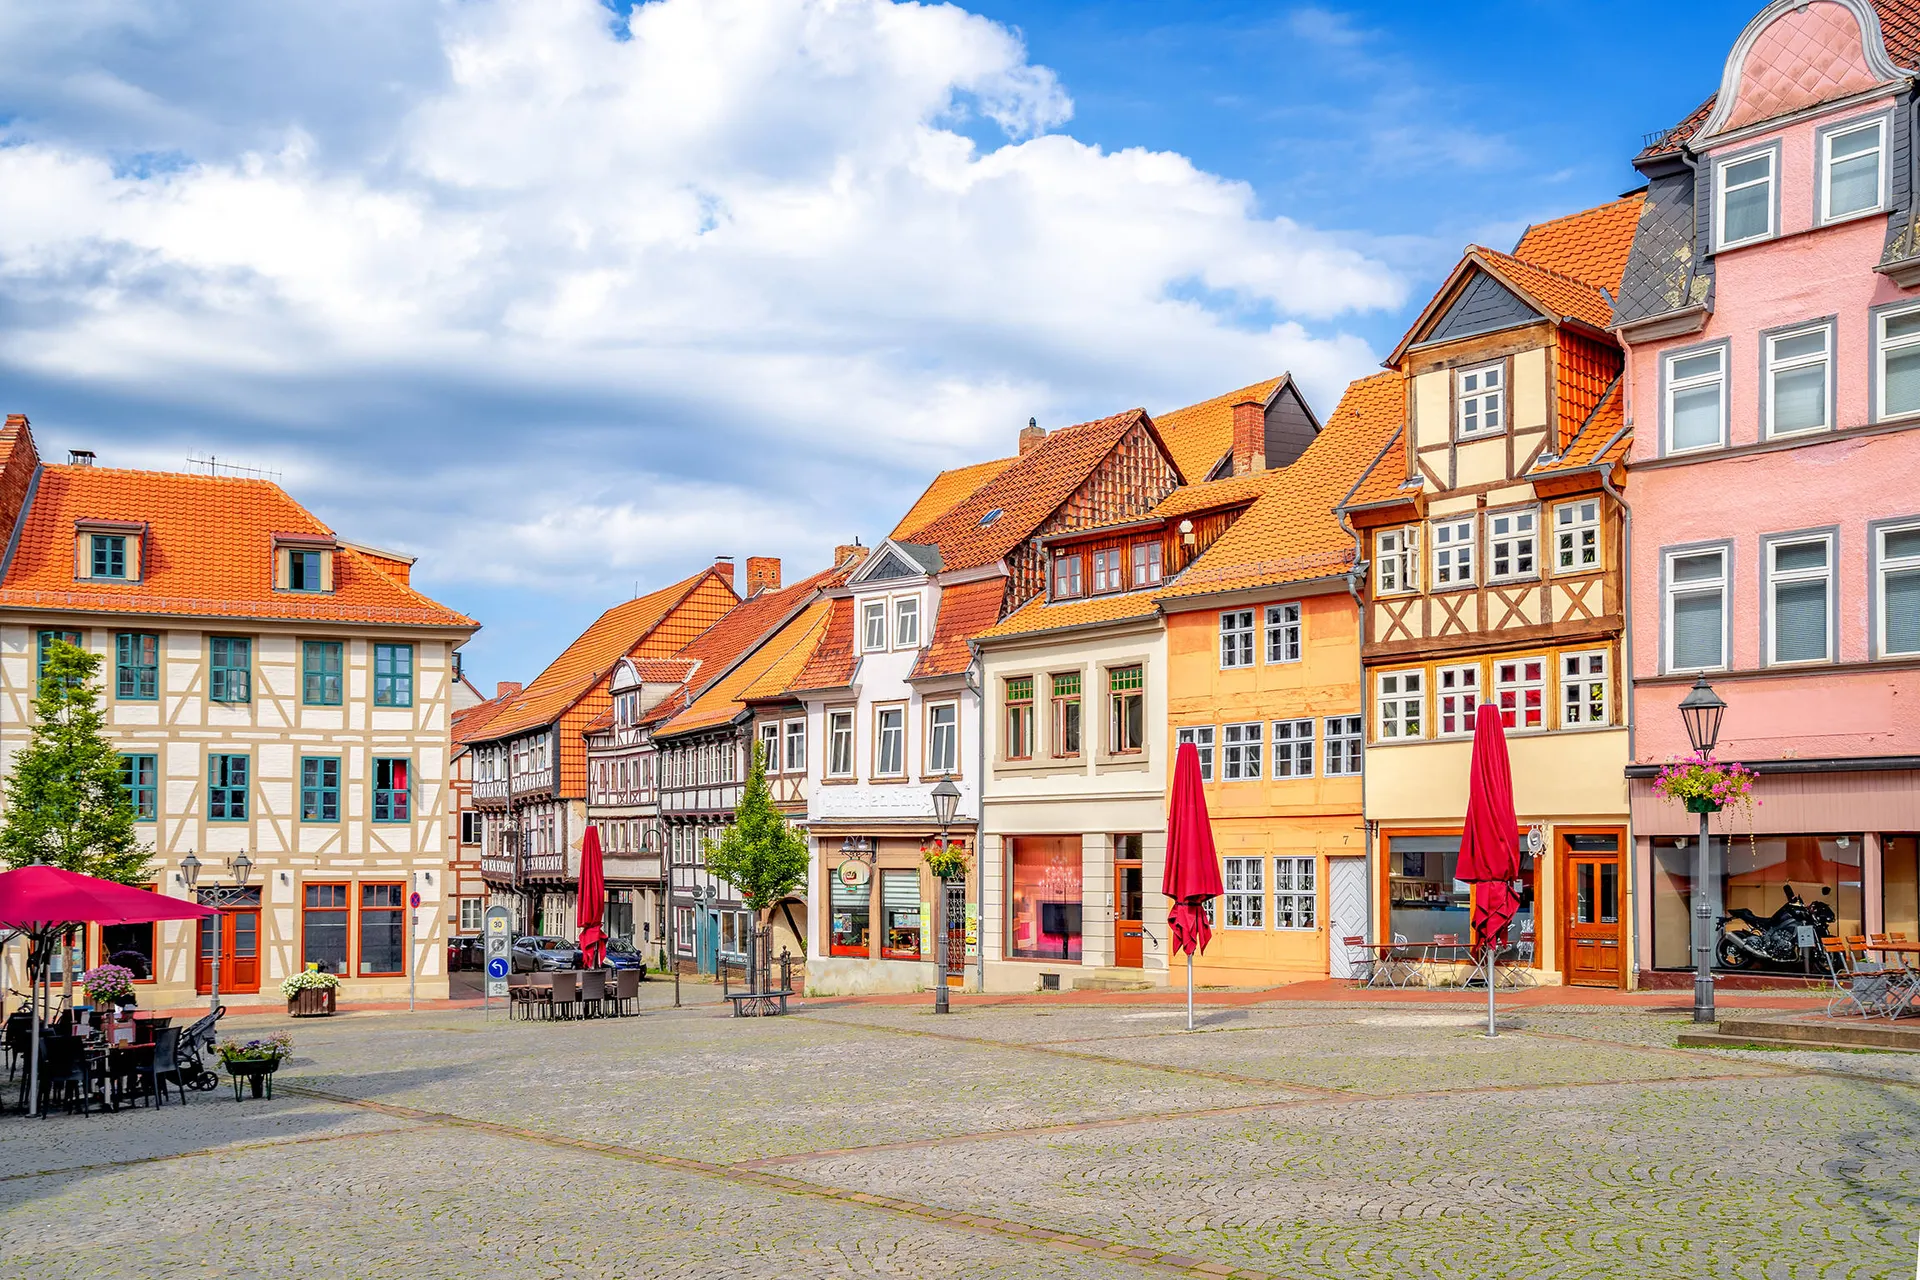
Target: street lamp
{"points": [[217, 896], [1701, 711], [946, 799]]}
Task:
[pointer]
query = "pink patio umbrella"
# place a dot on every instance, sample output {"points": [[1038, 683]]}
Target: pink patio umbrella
{"points": [[43, 903], [1192, 876], [590, 906], [1489, 852]]}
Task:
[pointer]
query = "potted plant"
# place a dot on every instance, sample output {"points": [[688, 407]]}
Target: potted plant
{"points": [[109, 984], [947, 861], [254, 1061], [311, 993]]}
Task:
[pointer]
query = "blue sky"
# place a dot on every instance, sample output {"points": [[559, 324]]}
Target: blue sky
{"points": [[566, 306]]}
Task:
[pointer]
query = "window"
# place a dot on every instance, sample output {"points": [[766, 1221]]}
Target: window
{"points": [[1520, 691], [472, 828], [1293, 748], [874, 628], [140, 776], [1797, 381], [1453, 553], [1852, 168], [1201, 736], [1283, 633], [320, 662], [1583, 690], [1897, 362], [1799, 600], [851, 906], [840, 744], [1403, 704], [1236, 638], [1576, 536], [320, 791], [1066, 576], [130, 946], [136, 666], [683, 929], [383, 930], [1146, 564], [1696, 400], [227, 788], [393, 675], [1066, 716], [890, 742], [1745, 190], [906, 622], [1345, 740], [1044, 897], [392, 797], [1019, 739], [1109, 571], [1459, 692], [1240, 752], [1897, 566], [1246, 892], [770, 747], [1512, 538], [109, 555], [1478, 400], [473, 914], [323, 927], [232, 673], [943, 738], [1396, 553], [900, 914], [1696, 610], [303, 571], [46, 640], [1126, 710], [796, 731], [1294, 895]]}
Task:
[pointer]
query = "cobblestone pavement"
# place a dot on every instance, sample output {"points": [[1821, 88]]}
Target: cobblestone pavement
{"points": [[1066, 1140]]}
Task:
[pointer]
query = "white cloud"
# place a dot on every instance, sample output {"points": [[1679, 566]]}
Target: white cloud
{"points": [[747, 262]]}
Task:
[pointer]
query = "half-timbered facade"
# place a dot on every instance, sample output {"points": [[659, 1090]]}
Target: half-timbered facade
{"points": [[472, 829], [1493, 527]]}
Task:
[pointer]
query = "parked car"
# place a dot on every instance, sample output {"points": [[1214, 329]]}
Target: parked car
{"points": [[465, 952], [622, 954], [534, 952]]}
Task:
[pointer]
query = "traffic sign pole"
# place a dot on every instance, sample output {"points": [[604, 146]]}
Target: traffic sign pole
{"points": [[498, 924], [413, 943]]}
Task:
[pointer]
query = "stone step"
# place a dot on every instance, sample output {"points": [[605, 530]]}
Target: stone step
{"points": [[1781, 1034], [1113, 980]]}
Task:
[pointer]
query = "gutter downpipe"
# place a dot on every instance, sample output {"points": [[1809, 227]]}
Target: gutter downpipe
{"points": [[980, 821], [1626, 661], [1356, 576]]}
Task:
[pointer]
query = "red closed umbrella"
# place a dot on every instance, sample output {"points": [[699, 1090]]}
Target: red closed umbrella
{"points": [[590, 905], [1192, 875], [1489, 851]]}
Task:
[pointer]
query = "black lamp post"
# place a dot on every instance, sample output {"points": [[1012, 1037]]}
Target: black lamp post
{"points": [[217, 896], [1701, 711], [946, 799]]}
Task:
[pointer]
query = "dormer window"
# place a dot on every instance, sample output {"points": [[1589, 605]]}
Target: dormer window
{"points": [[303, 571], [303, 562], [1067, 581], [1480, 394], [107, 550], [109, 555]]}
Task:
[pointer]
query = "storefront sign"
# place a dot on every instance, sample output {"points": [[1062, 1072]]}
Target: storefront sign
{"points": [[973, 931], [853, 873]]}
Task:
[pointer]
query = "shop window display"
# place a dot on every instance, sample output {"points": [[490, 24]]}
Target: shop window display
{"points": [[1046, 882], [1754, 874], [900, 903], [852, 917], [1900, 884], [1424, 897]]}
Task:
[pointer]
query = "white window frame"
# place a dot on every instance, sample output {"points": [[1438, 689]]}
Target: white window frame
{"points": [[1245, 891], [1483, 401], [944, 763], [1201, 736], [1293, 747], [1346, 740], [794, 736], [873, 626], [1457, 687], [1586, 678], [1775, 365], [1402, 699], [906, 622], [1674, 590], [1396, 561], [1720, 191], [1283, 632], [840, 730], [1885, 566], [1519, 684], [770, 745], [1576, 530], [1878, 125], [474, 922], [1516, 544], [1296, 893], [881, 735], [1241, 748], [1673, 387], [1236, 639], [1452, 549], [1882, 347], [1777, 578]]}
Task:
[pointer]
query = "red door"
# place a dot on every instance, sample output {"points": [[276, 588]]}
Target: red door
{"points": [[239, 932]]}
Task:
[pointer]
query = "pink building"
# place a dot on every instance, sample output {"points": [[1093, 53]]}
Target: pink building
{"points": [[1771, 313]]}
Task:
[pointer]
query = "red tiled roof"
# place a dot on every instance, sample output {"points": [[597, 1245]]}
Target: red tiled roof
{"points": [[1604, 438], [725, 698], [833, 660], [1561, 296], [1199, 435], [1590, 246], [207, 552], [947, 490], [664, 670], [965, 610], [1386, 480], [1213, 494], [1038, 615], [469, 723]]}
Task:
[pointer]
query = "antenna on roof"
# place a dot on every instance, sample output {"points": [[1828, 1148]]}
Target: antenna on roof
{"points": [[212, 466]]}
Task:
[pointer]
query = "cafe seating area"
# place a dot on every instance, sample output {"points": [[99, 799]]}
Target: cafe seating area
{"points": [[574, 994], [100, 1060], [1446, 960], [1874, 975]]}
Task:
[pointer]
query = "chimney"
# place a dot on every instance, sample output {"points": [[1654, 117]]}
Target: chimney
{"points": [[80, 457], [1031, 434], [506, 688], [848, 555], [725, 565], [763, 574], [1249, 437]]}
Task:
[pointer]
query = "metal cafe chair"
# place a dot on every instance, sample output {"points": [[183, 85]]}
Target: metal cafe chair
{"points": [[1360, 963]]}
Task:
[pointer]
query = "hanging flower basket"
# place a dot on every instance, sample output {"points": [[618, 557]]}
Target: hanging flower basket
{"points": [[1703, 804], [1705, 785], [948, 862]]}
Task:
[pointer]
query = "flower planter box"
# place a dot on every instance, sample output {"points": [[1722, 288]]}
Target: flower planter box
{"points": [[312, 1002], [1702, 804], [258, 1074]]}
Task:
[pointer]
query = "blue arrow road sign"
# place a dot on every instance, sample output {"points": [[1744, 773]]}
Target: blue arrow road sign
{"points": [[497, 967]]}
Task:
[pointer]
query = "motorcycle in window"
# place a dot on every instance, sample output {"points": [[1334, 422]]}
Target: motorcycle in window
{"points": [[1747, 940]]}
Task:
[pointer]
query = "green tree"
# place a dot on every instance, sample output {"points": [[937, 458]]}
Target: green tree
{"points": [[760, 855], [66, 804]]}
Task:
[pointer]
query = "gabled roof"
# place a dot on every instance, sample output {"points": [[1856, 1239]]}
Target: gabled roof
{"points": [[1199, 435], [1589, 246], [772, 684], [1386, 480], [470, 723], [1213, 494], [832, 663], [724, 699], [1038, 615], [1602, 439], [947, 491], [966, 609], [207, 552]]}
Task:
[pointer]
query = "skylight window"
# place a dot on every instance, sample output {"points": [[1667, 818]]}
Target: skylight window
{"points": [[990, 517]]}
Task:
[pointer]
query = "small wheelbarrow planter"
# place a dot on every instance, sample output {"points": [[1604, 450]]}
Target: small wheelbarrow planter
{"points": [[252, 1063]]}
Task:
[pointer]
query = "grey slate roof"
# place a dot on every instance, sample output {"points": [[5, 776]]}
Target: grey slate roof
{"points": [[1667, 268]]}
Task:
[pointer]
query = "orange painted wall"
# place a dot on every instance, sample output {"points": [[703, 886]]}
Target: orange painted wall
{"points": [[1317, 816]]}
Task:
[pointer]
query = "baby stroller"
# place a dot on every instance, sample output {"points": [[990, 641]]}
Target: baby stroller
{"points": [[195, 1043]]}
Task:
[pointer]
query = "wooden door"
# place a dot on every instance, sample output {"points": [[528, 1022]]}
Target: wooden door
{"points": [[238, 932], [1129, 913], [1592, 883]]}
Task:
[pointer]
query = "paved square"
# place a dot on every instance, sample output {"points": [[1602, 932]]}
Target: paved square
{"points": [[1066, 1140]]}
